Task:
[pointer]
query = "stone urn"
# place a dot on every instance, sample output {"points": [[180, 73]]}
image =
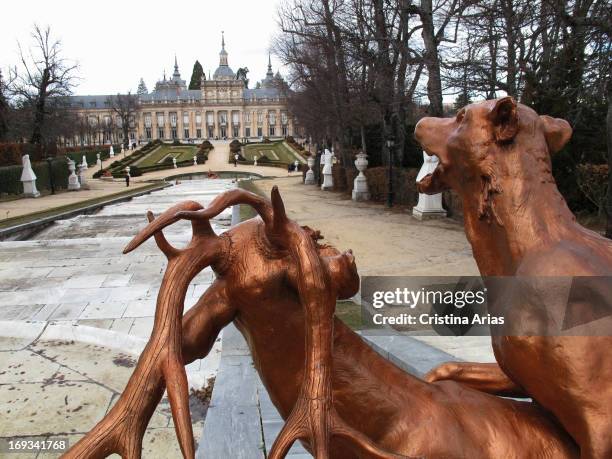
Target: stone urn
{"points": [[73, 179], [360, 184], [429, 206], [310, 176]]}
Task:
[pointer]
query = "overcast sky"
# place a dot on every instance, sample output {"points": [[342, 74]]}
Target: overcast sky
{"points": [[116, 42]]}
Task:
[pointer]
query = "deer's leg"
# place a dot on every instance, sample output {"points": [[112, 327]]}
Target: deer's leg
{"points": [[484, 377], [122, 429]]}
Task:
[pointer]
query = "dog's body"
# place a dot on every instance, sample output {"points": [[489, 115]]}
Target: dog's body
{"points": [[496, 155]]}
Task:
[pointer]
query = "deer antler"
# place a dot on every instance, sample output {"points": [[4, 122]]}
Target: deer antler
{"points": [[122, 429], [313, 416]]}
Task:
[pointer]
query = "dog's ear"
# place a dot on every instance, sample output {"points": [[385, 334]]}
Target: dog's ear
{"points": [[504, 116], [556, 131]]}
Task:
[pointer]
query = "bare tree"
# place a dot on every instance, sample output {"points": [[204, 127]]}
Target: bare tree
{"points": [[4, 109], [125, 106], [44, 79]]}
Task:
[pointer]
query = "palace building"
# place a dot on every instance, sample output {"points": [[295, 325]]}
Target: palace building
{"points": [[222, 108]]}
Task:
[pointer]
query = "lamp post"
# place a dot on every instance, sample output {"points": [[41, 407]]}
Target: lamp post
{"points": [[51, 182], [390, 145]]}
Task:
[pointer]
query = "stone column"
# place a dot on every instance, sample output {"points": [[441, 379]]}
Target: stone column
{"points": [[429, 206], [73, 180], [28, 178], [360, 185]]}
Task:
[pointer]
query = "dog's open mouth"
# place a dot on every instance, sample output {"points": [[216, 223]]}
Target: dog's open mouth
{"points": [[433, 182]]}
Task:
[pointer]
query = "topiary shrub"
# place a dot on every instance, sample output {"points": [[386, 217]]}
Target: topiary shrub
{"points": [[135, 171], [235, 146]]}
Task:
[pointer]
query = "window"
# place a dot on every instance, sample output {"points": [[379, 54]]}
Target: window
{"points": [[259, 132], [247, 117], [132, 121], [199, 133], [259, 118], [198, 119], [210, 132], [107, 121], [186, 119], [147, 120], [173, 119], [210, 118], [160, 119], [272, 117], [173, 133], [223, 118], [148, 133], [272, 131], [132, 135], [247, 132], [284, 118], [186, 133], [235, 131], [235, 118], [160, 133], [285, 131]]}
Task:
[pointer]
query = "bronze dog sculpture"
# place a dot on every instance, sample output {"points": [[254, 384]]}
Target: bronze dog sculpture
{"points": [[341, 398], [496, 156]]}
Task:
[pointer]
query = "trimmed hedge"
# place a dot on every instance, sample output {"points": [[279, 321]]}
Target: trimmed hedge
{"points": [[10, 176]]}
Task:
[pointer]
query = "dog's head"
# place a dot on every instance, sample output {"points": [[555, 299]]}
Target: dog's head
{"points": [[470, 144]]}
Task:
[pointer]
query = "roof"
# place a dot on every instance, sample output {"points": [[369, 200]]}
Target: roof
{"points": [[172, 94], [96, 101], [223, 71]]}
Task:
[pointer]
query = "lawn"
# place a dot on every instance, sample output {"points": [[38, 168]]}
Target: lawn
{"points": [[157, 156], [278, 152]]}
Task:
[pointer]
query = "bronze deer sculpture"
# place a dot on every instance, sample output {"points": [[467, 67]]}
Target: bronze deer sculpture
{"points": [[341, 398], [496, 155]]}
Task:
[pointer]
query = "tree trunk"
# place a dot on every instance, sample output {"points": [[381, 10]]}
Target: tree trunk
{"points": [[609, 135], [432, 60]]}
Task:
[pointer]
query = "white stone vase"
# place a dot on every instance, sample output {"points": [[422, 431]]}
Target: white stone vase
{"points": [[361, 191], [310, 176], [73, 179]]}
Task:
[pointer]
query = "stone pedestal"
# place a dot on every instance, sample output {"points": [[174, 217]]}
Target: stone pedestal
{"points": [[310, 176], [328, 179], [83, 178], [28, 179], [73, 179], [360, 185], [429, 206]]}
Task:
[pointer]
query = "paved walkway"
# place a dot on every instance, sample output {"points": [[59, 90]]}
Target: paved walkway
{"points": [[217, 161], [75, 314]]}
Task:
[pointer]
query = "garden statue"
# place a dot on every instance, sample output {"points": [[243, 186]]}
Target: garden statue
{"points": [[279, 286], [310, 177], [73, 180], [429, 205], [98, 161], [174, 162], [328, 179], [496, 156], [123, 150], [84, 163], [28, 178], [111, 152], [360, 184], [296, 165], [255, 160], [82, 177], [195, 160]]}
